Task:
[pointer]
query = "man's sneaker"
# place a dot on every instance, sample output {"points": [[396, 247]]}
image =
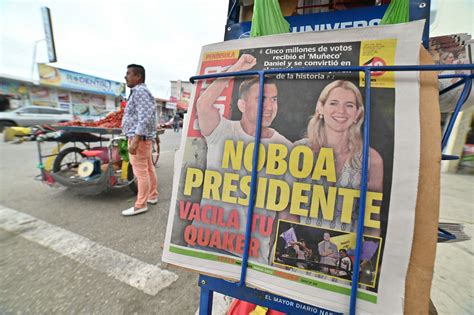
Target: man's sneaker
{"points": [[133, 211], [153, 201]]}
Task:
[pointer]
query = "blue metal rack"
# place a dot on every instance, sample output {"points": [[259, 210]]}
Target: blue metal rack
{"points": [[239, 289]]}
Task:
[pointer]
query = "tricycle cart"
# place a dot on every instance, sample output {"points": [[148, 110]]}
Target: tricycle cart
{"points": [[88, 159]]}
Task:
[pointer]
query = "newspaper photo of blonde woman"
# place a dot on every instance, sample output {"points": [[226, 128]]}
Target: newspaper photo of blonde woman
{"points": [[336, 124]]}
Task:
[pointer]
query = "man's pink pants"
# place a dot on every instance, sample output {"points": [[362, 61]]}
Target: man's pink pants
{"points": [[145, 173]]}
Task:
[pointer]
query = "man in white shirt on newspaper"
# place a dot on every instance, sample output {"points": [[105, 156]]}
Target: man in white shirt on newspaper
{"points": [[217, 129]]}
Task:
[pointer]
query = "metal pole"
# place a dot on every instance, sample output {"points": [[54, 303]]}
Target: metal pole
{"points": [[33, 64]]}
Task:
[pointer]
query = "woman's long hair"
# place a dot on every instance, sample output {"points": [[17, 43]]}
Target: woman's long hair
{"points": [[445, 56], [316, 132]]}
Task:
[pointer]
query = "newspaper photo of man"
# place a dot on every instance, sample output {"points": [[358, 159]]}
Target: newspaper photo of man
{"points": [[217, 130]]}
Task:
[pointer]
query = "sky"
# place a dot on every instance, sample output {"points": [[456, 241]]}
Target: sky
{"points": [[101, 37]]}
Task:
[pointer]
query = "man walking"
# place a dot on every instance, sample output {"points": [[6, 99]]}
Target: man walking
{"points": [[139, 126], [176, 119]]}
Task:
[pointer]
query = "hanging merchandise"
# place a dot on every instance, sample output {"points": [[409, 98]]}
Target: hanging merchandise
{"points": [[123, 149], [267, 19], [398, 11]]}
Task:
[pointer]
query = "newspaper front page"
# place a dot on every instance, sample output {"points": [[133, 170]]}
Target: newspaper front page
{"points": [[455, 49], [309, 168]]}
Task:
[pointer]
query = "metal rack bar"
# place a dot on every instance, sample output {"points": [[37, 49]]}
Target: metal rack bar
{"points": [[102, 131], [452, 86], [222, 285], [363, 193], [253, 181], [436, 68], [265, 299], [206, 297], [465, 93]]}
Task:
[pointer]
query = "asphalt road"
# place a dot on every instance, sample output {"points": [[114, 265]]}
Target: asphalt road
{"points": [[35, 278]]}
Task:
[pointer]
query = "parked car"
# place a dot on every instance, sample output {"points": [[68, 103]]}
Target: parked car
{"points": [[33, 115], [97, 117]]}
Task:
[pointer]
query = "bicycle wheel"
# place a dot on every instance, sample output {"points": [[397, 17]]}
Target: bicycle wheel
{"points": [[155, 151], [67, 161]]}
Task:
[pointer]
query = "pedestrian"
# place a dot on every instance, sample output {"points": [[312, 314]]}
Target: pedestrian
{"points": [[176, 122], [139, 126]]}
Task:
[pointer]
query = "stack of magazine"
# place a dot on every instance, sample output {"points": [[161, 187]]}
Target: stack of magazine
{"points": [[448, 50], [451, 232]]}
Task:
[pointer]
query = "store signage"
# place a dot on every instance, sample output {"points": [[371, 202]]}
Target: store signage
{"points": [[170, 105], [362, 17], [48, 33], [74, 80], [12, 88]]}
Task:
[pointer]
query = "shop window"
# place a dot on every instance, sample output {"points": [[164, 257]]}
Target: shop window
{"points": [[63, 96], [42, 96], [80, 109], [30, 110]]}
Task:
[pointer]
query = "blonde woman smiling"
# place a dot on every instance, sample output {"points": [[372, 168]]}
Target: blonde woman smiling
{"points": [[336, 124]]}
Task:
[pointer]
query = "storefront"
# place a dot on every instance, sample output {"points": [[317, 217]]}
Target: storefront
{"points": [[13, 93], [180, 95], [177, 103], [81, 94], [164, 110]]}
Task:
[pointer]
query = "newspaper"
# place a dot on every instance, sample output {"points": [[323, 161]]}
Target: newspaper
{"points": [[309, 167], [452, 49]]}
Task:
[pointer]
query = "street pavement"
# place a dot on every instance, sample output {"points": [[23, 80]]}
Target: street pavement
{"points": [[62, 252], [42, 274], [453, 281]]}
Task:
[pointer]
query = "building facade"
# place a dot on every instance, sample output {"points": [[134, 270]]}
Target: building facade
{"points": [[80, 94], [180, 95]]}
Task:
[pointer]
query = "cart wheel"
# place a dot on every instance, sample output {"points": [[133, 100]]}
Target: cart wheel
{"points": [[155, 151], [4, 124], [131, 177], [68, 160]]}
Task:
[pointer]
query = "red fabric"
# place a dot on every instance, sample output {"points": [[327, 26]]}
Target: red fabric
{"points": [[90, 153], [103, 154], [182, 105], [239, 307]]}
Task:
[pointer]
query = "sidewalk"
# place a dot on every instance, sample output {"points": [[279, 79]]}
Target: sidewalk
{"points": [[453, 286]]}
